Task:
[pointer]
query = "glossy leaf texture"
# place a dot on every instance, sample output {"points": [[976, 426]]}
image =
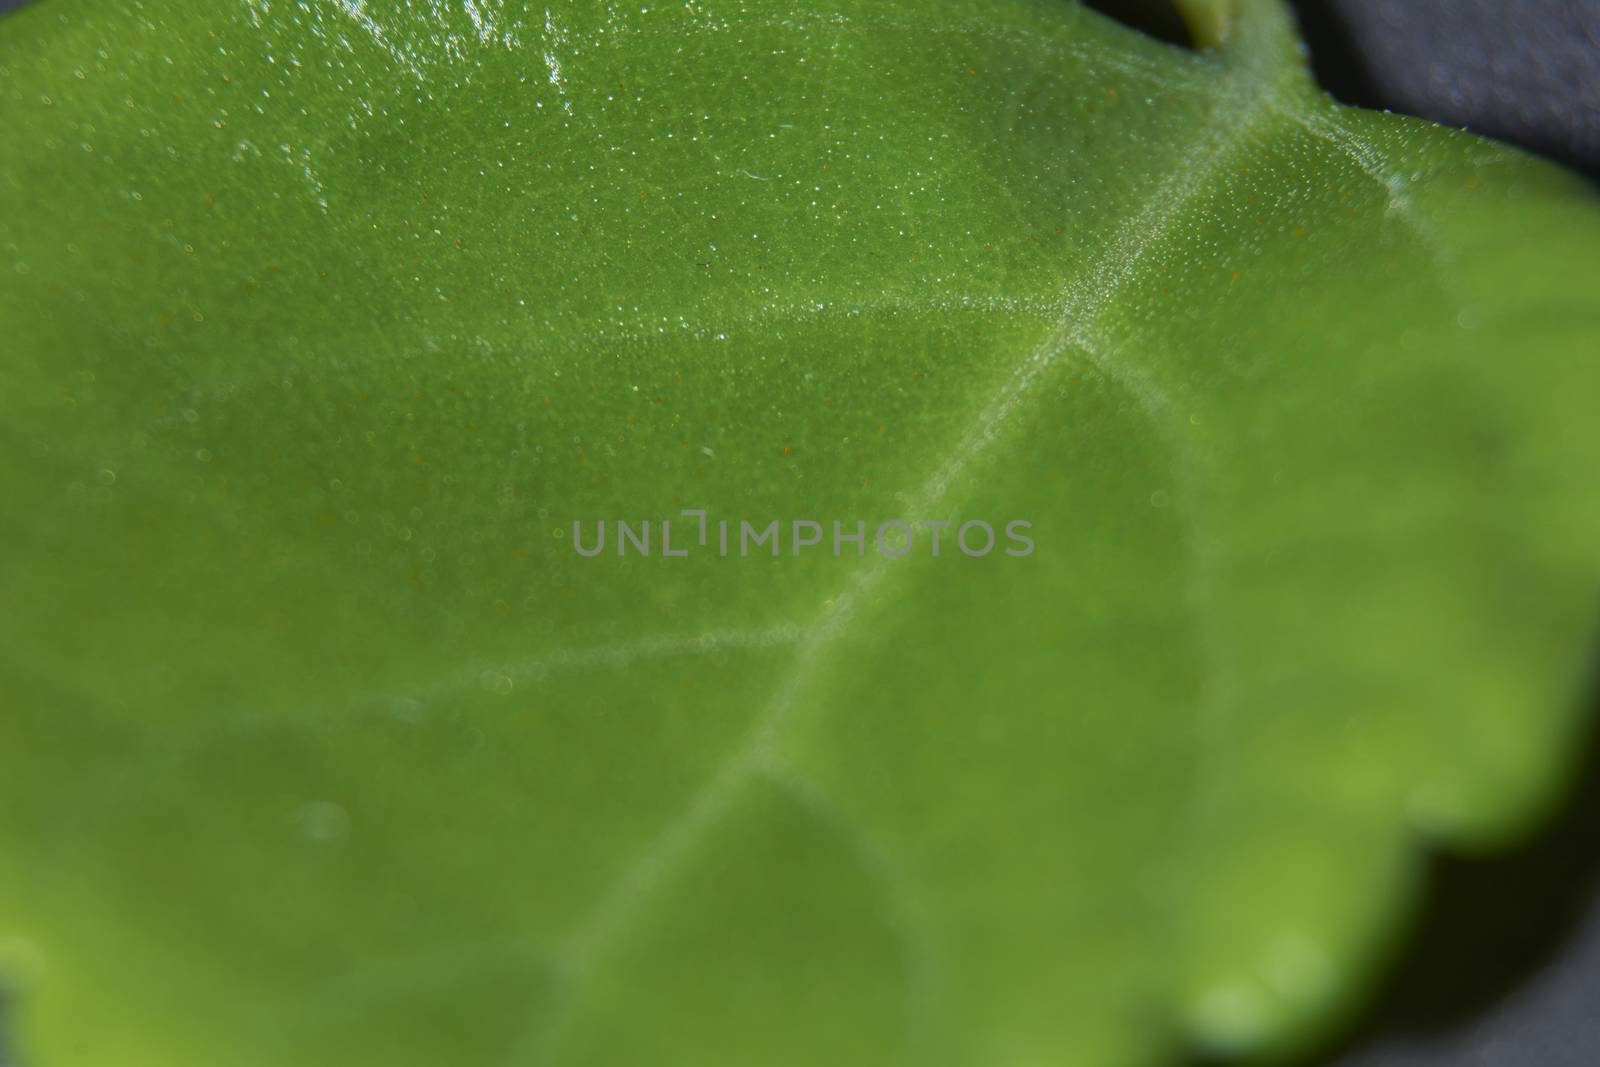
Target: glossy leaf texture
{"points": [[323, 322]]}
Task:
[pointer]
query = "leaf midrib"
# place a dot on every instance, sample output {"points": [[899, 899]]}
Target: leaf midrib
{"points": [[1244, 99]]}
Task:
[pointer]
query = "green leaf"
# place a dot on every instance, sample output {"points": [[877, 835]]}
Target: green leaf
{"points": [[324, 322]]}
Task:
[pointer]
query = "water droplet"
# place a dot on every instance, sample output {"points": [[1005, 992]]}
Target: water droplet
{"points": [[1299, 968], [20, 959], [323, 820], [1230, 1019]]}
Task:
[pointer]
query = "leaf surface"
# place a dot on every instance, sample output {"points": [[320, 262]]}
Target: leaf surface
{"points": [[324, 322]]}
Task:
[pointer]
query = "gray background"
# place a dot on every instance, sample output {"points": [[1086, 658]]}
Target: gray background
{"points": [[1502, 967]]}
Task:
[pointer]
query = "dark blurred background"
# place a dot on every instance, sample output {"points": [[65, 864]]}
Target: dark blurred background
{"points": [[1502, 966], [1524, 71]]}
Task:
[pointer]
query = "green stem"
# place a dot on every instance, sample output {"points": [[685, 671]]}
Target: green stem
{"points": [[1260, 33]]}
